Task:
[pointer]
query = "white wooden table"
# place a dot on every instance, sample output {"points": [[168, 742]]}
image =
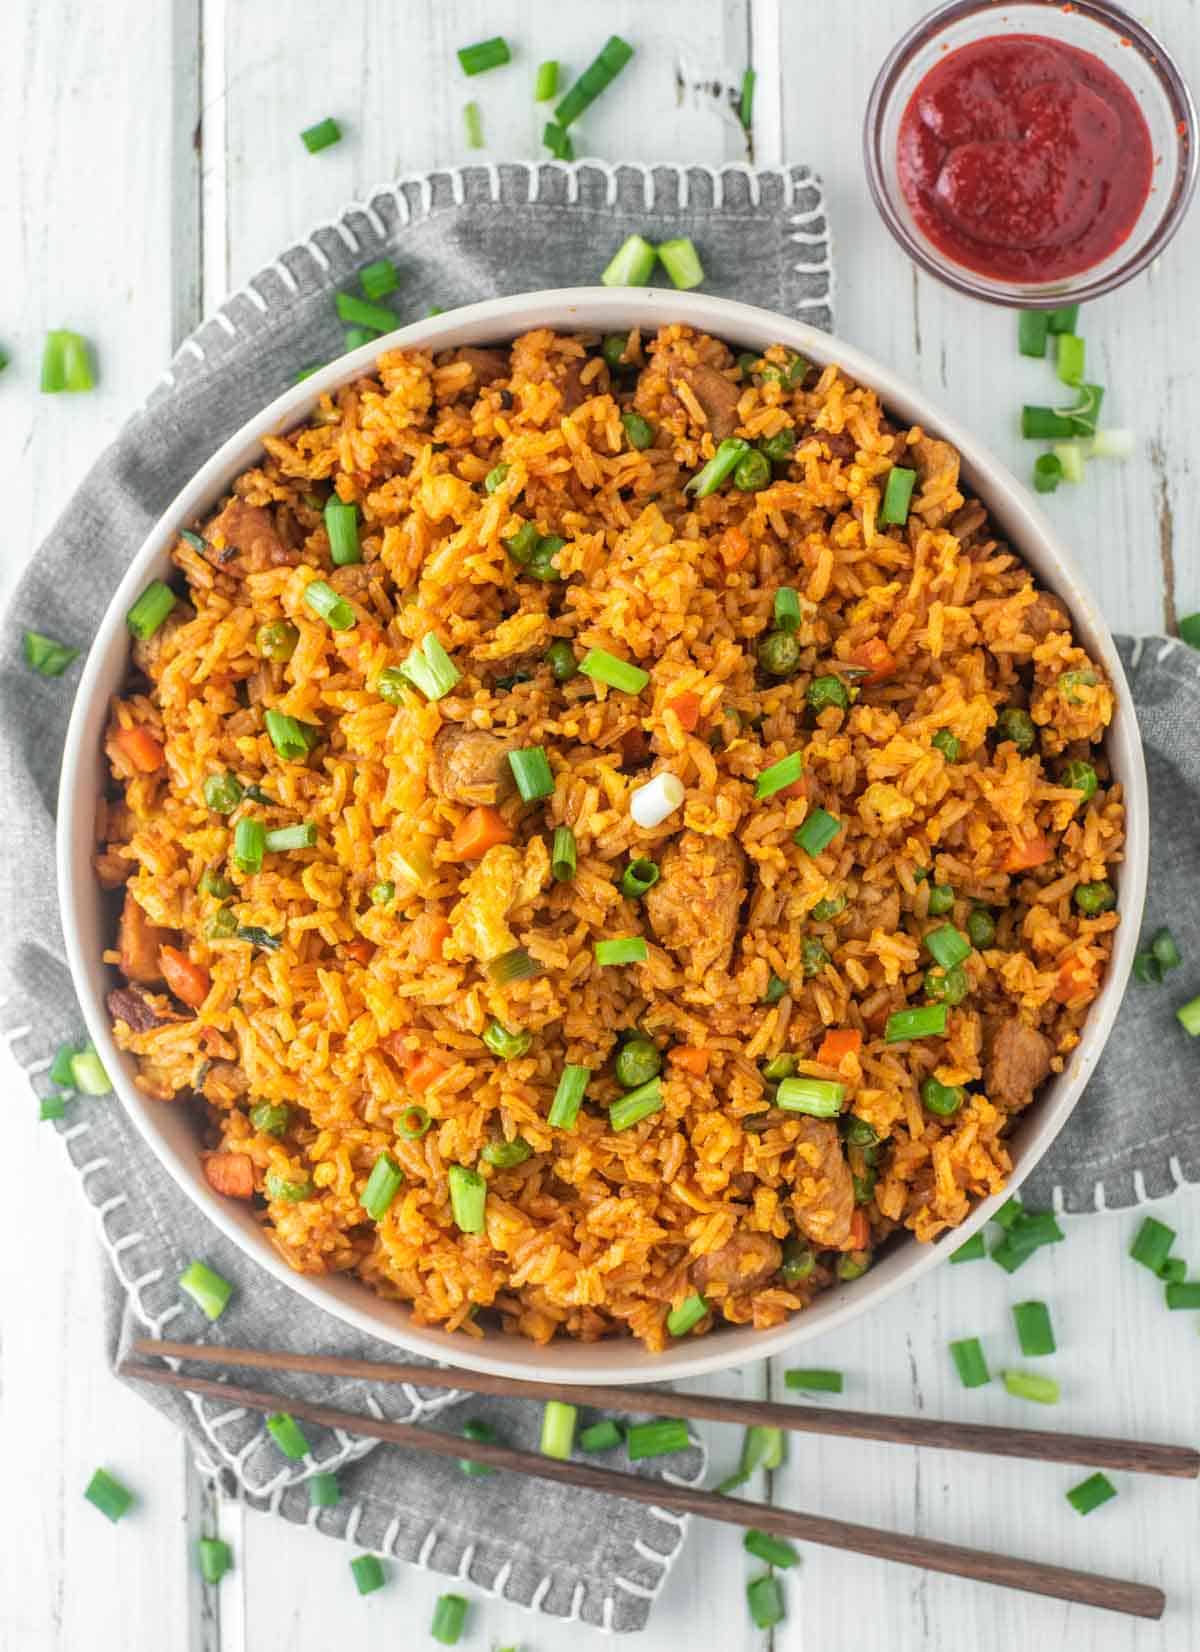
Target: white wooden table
{"points": [[151, 164]]}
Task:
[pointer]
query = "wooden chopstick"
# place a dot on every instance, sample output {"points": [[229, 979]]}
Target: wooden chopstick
{"points": [[1032, 1576], [1131, 1456]]}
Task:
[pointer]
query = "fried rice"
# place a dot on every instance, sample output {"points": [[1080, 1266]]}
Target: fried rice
{"points": [[401, 981]]}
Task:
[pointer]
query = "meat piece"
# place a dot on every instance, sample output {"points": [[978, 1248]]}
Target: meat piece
{"points": [[139, 1015], [823, 1188], [574, 391], [470, 765], [231, 1174], [1044, 615], [840, 443], [1016, 1059], [487, 365], [250, 532], [874, 909], [693, 908], [745, 1263], [717, 395], [966, 523], [138, 942], [937, 466], [224, 1082], [112, 869]]}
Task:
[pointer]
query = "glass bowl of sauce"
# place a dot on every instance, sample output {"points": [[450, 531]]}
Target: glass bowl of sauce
{"points": [[1031, 154]]}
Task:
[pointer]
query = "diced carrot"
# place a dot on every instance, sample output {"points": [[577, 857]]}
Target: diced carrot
{"points": [[686, 707], [735, 547], [188, 981], [423, 1069], [1075, 980], [878, 659], [860, 1232], [1025, 853], [141, 748], [690, 1057], [231, 1174], [138, 942], [430, 931], [478, 832], [361, 951], [839, 1041], [798, 788]]}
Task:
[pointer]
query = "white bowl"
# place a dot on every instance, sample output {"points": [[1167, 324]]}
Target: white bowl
{"points": [[166, 1128]]}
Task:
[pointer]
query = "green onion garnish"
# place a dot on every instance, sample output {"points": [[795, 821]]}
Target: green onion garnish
{"points": [[512, 966], [746, 101], [640, 431], [787, 609], [333, 609], [820, 1098], [47, 657], [1189, 630], [628, 949], [449, 1617], [929, 1021], [88, 1075], [1173, 1270], [948, 945], [562, 856], [287, 1435], [383, 1184], [639, 876], [601, 1436], [1188, 1016], [813, 1380], [1183, 1294], [468, 1196], [558, 1429], [60, 1067], [413, 1122], [341, 524], [150, 609], [1023, 1385], [970, 1363], [603, 667], [633, 261], [784, 773], [1090, 1493], [723, 463], [485, 54], [215, 1557], [266, 942], [1070, 457], [108, 1495], [1055, 423], [656, 1439], [1032, 328], [284, 838], [292, 739], [379, 279], [599, 74], [1047, 473], [368, 1573], [532, 772], [323, 1491], [354, 337], [636, 1105], [761, 1448], [1034, 1330], [1028, 1233], [897, 496], [66, 362], [476, 1429], [817, 832], [495, 478], [1070, 359], [320, 136], [473, 125], [1063, 321], [764, 1597], [568, 1098], [52, 1107], [207, 1289], [771, 1549], [1009, 1214], [777, 988], [560, 145], [682, 263], [429, 668], [1152, 1245], [688, 1315], [545, 85], [249, 845], [1166, 953]]}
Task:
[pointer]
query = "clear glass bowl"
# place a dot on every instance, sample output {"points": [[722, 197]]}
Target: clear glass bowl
{"points": [[1125, 47]]}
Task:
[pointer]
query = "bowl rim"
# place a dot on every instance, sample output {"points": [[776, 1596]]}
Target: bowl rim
{"points": [[617, 1360], [1075, 289]]}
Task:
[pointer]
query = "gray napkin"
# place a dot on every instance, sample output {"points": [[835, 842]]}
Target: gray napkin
{"points": [[457, 237]]}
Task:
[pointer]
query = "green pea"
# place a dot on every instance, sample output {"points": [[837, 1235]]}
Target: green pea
{"points": [[223, 793], [827, 691], [222, 924], [850, 1268], [495, 478], [1016, 725], [948, 744], [943, 1099], [788, 376], [779, 653], [523, 544], [752, 473], [798, 1261], [813, 955], [506, 1155], [640, 431], [1094, 898], [780, 1066], [637, 1062], [779, 447], [279, 1187], [747, 363], [542, 564], [507, 1045], [981, 926], [560, 657], [212, 883], [1071, 680], [864, 1186], [383, 892], [941, 900], [947, 986], [613, 350], [277, 641], [1080, 777], [823, 911], [270, 1117], [859, 1133], [776, 989]]}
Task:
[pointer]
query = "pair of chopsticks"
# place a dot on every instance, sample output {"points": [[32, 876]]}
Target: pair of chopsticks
{"points": [[1032, 1576]]}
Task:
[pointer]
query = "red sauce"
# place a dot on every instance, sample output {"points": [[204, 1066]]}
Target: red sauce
{"points": [[1024, 159]]}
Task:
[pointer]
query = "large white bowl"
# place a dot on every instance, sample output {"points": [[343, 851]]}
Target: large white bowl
{"points": [[85, 923]]}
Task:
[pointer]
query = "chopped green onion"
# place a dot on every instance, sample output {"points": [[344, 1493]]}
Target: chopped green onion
{"points": [[601, 1436], [468, 1196], [814, 1380], [827, 691], [639, 876], [820, 1098], [359, 312], [1009, 1214], [927, 1022], [354, 337], [771, 1549], [150, 609], [507, 1155], [1028, 1233], [1040, 424], [88, 1075], [429, 668], [1090, 1493], [969, 1362], [449, 1617], [1173, 1270], [722, 465], [287, 1435], [761, 1448], [1047, 473], [628, 949], [321, 136], [66, 364], [324, 1491], [1188, 1016], [512, 966], [776, 989], [507, 1045], [333, 609], [784, 773], [1023, 1385], [1034, 1330], [292, 739], [897, 496], [47, 657], [284, 838], [681, 262], [545, 85], [568, 1097], [52, 1107], [1032, 328], [764, 1597], [268, 943], [562, 857], [368, 1573], [414, 1121], [817, 832], [1070, 359], [207, 1289], [1070, 457], [558, 1429], [383, 1184], [599, 74], [532, 772], [1064, 320], [948, 744], [603, 667], [974, 1250], [476, 1429], [249, 845], [341, 524], [1147, 971], [949, 946], [561, 146], [640, 431], [485, 54], [746, 101], [270, 1117], [1166, 952], [687, 1316], [473, 125], [495, 477], [108, 1495], [787, 609], [637, 1105], [656, 1439], [1112, 444], [632, 263], [60, 1068], [1183, 1294], [215, 1557], [379, 279]]}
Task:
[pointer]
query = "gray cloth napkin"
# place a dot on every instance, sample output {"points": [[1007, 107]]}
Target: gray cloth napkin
{"points": [[457, 237]]}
